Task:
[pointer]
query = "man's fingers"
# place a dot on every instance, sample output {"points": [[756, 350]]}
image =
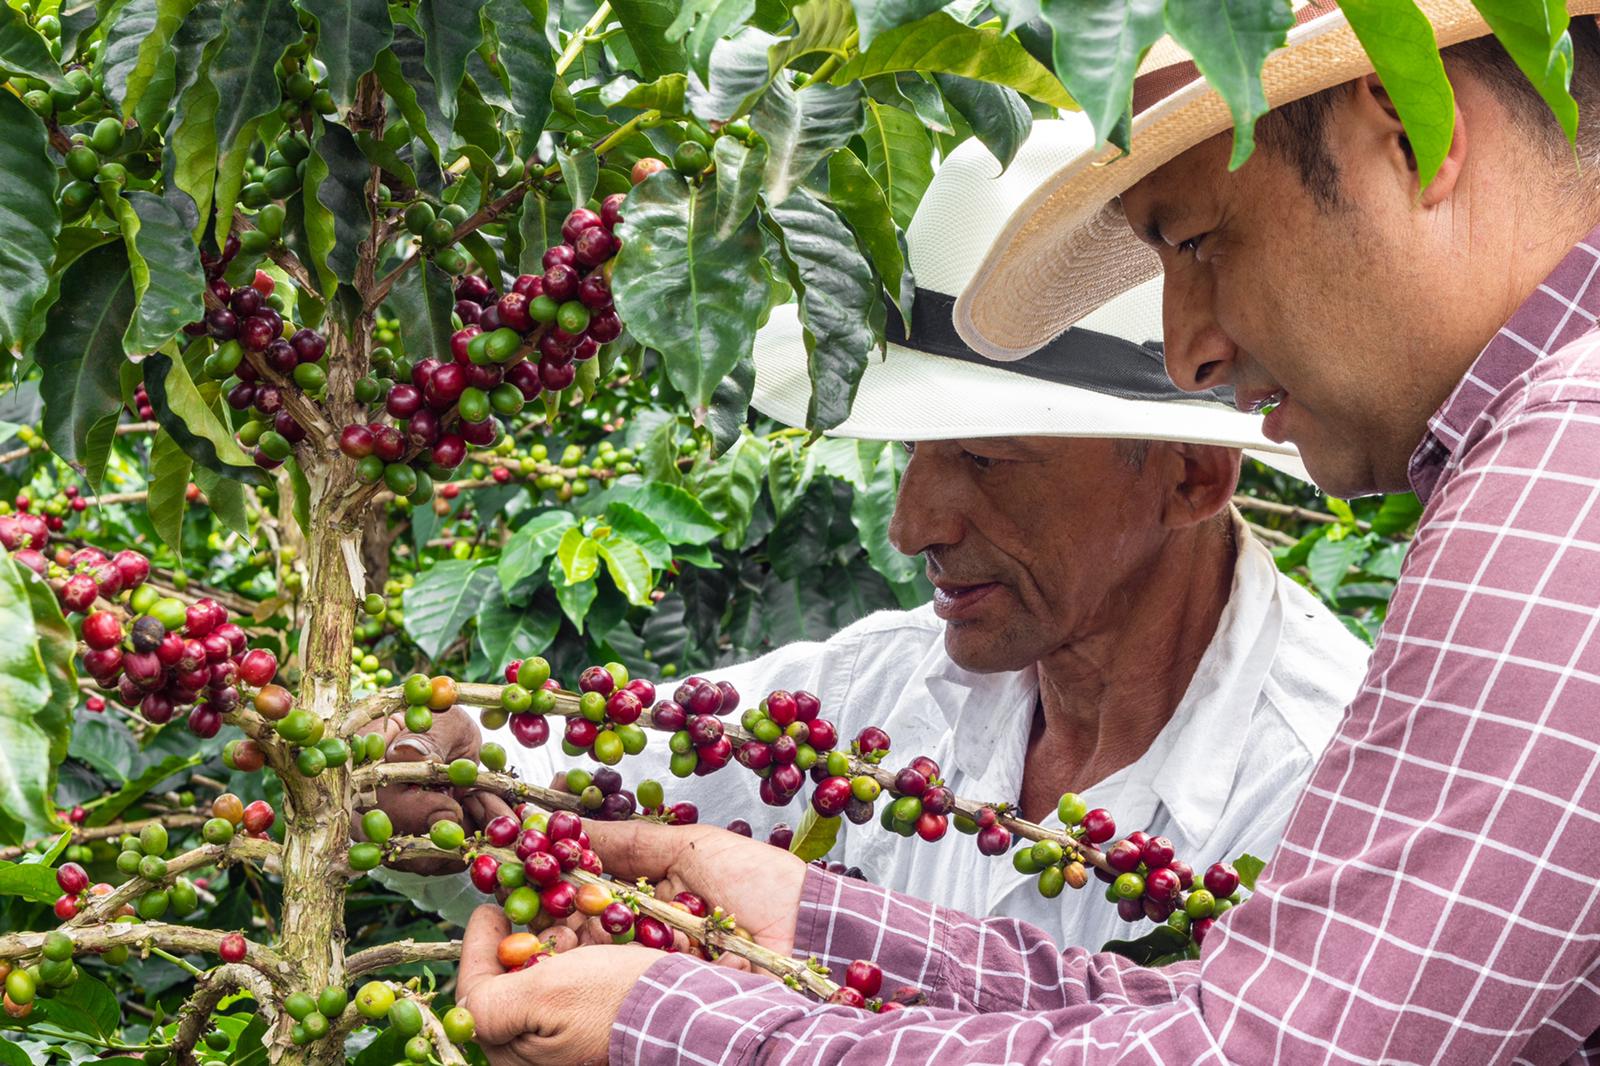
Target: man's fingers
{"points": [[480, 958], [482, 807], [632, 849]]}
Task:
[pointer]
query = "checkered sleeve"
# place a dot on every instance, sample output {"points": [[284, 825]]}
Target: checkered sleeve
{"points": [[1435, 897]]}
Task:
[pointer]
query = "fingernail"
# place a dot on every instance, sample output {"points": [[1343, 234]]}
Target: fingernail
{"points": [[412, 744]]}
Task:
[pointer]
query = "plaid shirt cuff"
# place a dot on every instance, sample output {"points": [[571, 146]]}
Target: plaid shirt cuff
{"points": [[842, 919], [689, 1012]]}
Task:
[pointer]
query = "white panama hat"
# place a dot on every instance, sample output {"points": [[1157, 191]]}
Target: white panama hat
{"points": [[1100, 379]]}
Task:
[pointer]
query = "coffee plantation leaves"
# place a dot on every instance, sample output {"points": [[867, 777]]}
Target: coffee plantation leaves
{"points": [[1400, 42], [406, 78], [442, 600], [801, 127], [578, 555], [701, 23], [740, 73], [645, 22], [507, 632], [423, 301], [815, 836], [681, 517], [525, 553], [37, 692], [1098, 46], [167, 279], [861, 202], [81, 355], [169, 477], [1229, 40], [450, 31], [136, 52], [875, 16], [23, 51], [192, 418], [258, 31], [686, 293], [999, 117], [339, 220], [841, 310], [940, 44], [899, 158], [350, 34], [626, 563], [738, 182], [29, 217], [525, 55], [1535, 37]]}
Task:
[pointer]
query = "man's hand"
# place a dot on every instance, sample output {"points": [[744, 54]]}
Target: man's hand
{"points": [[755, 882], [413, 808], [556, 1012]]}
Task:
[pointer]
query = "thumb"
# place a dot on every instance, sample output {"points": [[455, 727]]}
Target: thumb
{"points": [[635, 848]]}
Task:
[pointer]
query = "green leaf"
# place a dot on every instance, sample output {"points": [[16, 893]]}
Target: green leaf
{"points": [[801, 127], [81, 356], [876, 16], [525, 55], [861, 202], [645, 22], [998, 116], [451, 29], [23, 51], [686, 293], [1330, 560], [1230, 40], [825, 26], [406, 78], [575, 599], [350, 34], [193, 421], [33, 732], [423, 300], [137, 54], [169, 478], [899, 158], [626, 563], [578, 555], [579, 171], [226, 499], [1399, 40], [739, 168], [1249, 868], [632, 523], [258, 33], [666, 94], [739, 75], [1398, 513], [442, 600], [165, 264], [1098, 46], [193, 142], [728, 488], [139, 787], [940, 44], [1534, 34], [34, 882], [815, 836], [870, 511], [30, 218], [1161, 941], [86, 1006], [525, 553], [676, 513], [341, 195], [841, 311], [72, 243], [507, 632], [711, 20]]}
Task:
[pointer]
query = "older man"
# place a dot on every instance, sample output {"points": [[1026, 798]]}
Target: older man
{"points": [[1058, 563], [1433, 899]]}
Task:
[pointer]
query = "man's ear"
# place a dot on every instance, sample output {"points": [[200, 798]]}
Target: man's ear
{"points": [[1380, 121], [1203, 480]]}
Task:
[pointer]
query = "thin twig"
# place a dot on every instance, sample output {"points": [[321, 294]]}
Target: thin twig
{"points": [[195, 1015]]}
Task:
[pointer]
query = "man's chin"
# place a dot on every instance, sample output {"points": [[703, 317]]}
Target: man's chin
{"points": [[980, 650], [1346, 472]]}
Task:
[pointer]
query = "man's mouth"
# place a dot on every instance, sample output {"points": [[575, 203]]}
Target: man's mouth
{"points": [[952, 601], [1257, 402]]}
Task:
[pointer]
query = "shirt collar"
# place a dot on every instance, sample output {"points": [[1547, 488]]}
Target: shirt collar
{"points": [[1561, 309], [1190, 765]]}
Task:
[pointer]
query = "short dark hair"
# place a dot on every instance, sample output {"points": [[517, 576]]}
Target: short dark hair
{"points": [[1297, 131]]}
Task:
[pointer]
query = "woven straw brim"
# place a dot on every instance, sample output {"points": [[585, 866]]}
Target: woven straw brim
{"points": [[1068, 248], [910, 395]]}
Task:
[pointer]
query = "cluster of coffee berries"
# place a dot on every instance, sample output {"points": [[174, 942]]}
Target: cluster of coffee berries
{"points": [[529, 695], [141, 404], [313, 1015], [610, 706], [698, 743], [95, 168], [546, 846], [602, 796], [863, 980], [53, 972], [27, 524], [377, 1001], [787, 741], [922, 804], [426, 695], [314, 752], [653, 804], [144, 856], [993, 838]]}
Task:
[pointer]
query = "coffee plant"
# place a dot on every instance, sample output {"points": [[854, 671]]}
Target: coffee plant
{"points": [[367, 359]]}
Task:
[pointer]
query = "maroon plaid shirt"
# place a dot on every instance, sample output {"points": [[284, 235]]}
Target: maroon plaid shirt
{"points": [[1436, 897]]}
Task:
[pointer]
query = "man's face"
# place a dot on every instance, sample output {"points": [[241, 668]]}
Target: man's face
{"points": [[1029, 541], [1329, 312]]}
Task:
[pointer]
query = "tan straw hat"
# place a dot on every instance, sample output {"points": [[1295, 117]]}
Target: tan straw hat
{"points": [[1103, 378], [1067, 248]]}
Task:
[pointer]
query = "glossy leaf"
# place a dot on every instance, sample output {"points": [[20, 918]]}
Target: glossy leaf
{"points": [[815, 836], [861, 202], [1160, 941], [739, 169], [192, 144], [578, 555], [450, 31], [701, 23], [30, 217], [423, 300], [899, 158], [169, 478], [1230, 40], [940, 44], [683, 291], [1399, 40], [139, 786], [1098, 46], [739, 75], [137, 54], [167, 278], [533, 543], [342, 197], [626, 563], [801, 127], [225, 498], [681, 517], [258, 33], [575, 598], [1330, 561], [666, 94], [579, 171], [876, 16], [23, 51], [1534, 34], [192, 418], [999, 117], [636, 526], [1249, 869], [840, 309], [34, 882], [820, 26], [350, 34], [729, 487], [507, 632], [525, 55], [405, 77], [439, 604], [870, 510], [645, 22], [81, 355], [29, 733]]}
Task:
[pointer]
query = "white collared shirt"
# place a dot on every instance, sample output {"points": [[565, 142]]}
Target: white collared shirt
{"points": [[1220, 779]]}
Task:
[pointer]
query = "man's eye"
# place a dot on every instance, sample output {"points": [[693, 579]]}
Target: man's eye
{"points": [[909, 445], [982, 462], [1192, 245]]}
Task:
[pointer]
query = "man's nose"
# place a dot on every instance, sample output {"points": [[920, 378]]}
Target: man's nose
{"points": [[925, 515], [1199, 354]]}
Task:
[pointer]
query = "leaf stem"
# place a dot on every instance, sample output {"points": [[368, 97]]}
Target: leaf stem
{"points": [[582, 37], [85, 1038], [182, 964]]}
